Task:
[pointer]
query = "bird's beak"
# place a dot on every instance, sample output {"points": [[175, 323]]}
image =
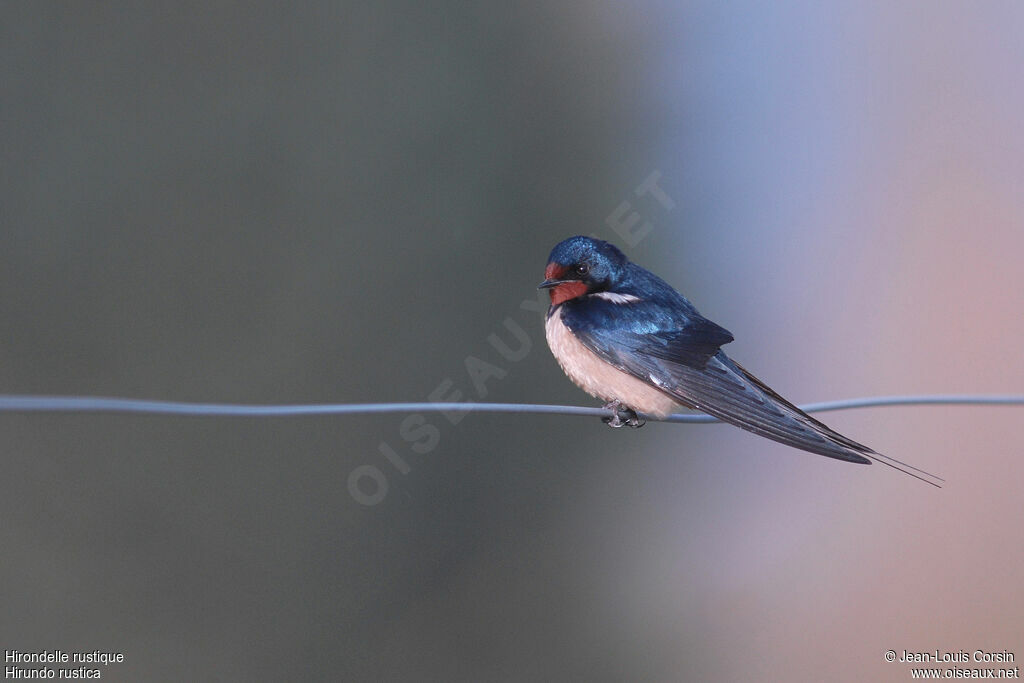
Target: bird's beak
{"points": [[553, 276]]}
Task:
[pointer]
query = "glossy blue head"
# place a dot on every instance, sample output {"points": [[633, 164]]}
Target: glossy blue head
{"points": [[582, 265]]}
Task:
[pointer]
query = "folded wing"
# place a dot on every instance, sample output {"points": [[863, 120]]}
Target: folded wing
{"points": [[686, 362]]}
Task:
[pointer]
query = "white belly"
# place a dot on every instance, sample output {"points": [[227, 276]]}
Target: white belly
{"points": [[598, 378]]}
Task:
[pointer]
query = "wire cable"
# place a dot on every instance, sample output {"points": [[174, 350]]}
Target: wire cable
{"points": [[100, 404], [11, 403]]}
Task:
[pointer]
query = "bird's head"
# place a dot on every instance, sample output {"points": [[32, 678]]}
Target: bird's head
{"points": [[581, 265]]}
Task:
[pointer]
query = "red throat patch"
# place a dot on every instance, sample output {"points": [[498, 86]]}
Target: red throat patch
{"points": [[554, 271], [566, 291]]}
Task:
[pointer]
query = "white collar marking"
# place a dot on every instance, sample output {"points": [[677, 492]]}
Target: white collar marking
{"points": [[616, 298]]}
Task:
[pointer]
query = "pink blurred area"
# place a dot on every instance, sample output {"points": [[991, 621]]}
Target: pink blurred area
{"points": [[876, 245]]}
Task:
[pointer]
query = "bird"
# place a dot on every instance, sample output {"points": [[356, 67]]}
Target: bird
{"points": [[625, 336]]}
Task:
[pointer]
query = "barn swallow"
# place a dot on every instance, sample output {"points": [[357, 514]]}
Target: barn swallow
{"points": [[626, 336]]}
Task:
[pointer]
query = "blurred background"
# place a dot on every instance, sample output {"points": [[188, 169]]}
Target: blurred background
{"points": [[333, 202]]}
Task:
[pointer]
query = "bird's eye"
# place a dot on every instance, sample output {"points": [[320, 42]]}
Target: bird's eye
{"points": [[582, 269]]}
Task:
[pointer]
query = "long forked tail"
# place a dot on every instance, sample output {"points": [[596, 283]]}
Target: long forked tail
{"points": [[724, 389]]}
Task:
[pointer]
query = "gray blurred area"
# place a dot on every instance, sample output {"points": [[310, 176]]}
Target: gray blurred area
{"points": [[331, 202]]}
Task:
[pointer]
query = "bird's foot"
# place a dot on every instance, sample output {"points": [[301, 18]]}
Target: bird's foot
{"points": [[622, 416]]}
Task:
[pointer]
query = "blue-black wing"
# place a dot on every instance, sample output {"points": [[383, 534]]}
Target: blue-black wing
{"points": [[680, 355]]}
